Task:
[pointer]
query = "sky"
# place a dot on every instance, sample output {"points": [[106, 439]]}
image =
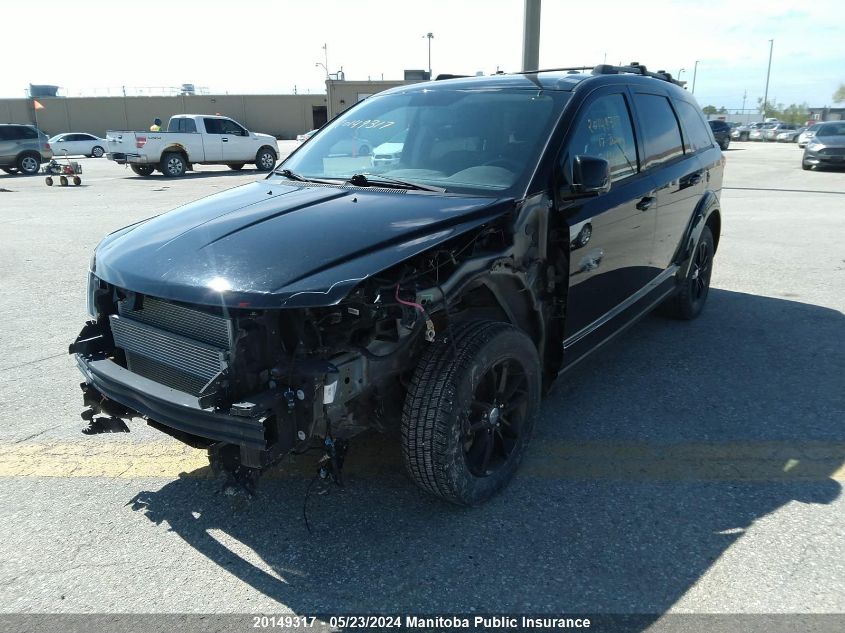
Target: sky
{"points": [[274, 47]]}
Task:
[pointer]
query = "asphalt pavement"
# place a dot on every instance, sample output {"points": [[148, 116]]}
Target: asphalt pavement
{"points": [[688, 467]]}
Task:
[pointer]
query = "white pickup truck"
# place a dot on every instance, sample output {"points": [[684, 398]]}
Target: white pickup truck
{"points": [[192, 139]]}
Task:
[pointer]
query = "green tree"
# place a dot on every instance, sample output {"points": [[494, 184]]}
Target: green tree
{"points": [[708, 110], [839, 95]]}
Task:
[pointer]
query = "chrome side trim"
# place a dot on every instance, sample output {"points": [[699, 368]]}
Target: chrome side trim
{"points": [[620, 308]]}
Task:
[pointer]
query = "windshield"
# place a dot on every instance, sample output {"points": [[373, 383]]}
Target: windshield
{"points": [[831, 129], [482, 142]]}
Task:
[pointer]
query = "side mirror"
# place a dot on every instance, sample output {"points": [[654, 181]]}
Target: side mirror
{"points": [[590, 176]]}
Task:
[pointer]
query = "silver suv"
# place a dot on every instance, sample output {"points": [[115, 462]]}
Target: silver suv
{"points": [[23, 148]]}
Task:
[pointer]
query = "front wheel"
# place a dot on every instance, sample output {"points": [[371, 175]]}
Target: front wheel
{"points": [[265, 159], [689, 301], [142, 170], [725, 144], [470, 410], [806, 166], [97, 152]]}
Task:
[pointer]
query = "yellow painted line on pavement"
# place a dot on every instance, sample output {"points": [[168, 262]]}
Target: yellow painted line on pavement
{"points": [[546, 459]]}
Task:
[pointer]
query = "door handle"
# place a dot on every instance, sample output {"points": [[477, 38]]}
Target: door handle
{"points": [[225, 140], [646, 203]]}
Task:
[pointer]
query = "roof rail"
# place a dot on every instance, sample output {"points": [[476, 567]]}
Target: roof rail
{"points": [[637, 69], [551, 70], [444, 76]]}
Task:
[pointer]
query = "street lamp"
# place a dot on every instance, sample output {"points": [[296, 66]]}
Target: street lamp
{"points": [[430, 37], [679, 73], [768, 72], [694, 74]]}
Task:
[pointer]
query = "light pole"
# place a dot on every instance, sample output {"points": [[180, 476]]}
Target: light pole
{"points": [[694, 74], [768, 73], [680, 70], [531, 36], [328, 86], [430, 37]]}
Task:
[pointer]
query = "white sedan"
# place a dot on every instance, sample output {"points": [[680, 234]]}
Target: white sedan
{"points": [[78, 144]]}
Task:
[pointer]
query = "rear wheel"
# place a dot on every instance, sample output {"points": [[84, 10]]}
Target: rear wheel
{"points": [[143, 170], [265, 159], [689, 301], [49, 181], [173, 165], [236, 166], [77, 181], [63, 181], [28, 164], [97, 152], [470, 410]]}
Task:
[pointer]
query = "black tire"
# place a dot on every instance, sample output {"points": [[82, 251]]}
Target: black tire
{"points": [[725, 144], [29, 163], [10, 170], [97, 151], [143, 170], [451, 446], [49, 181], [236, 166], [173, 164], [77, 181], [688, 303], [805, 165], [265, 159], [63, 181]]}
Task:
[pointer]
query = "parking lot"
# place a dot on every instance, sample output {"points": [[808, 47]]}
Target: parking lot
{"points": [[688, 467]]}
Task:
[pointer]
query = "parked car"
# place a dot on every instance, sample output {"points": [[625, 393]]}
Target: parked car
{"points": [[192, 139], [807, 134], [301, 138], [771, 133], [759, 133], [743, 132], [827, 147], [78, 144], [390, 153], [23, 148], [722, 132], [531, 219], [789, 136]]}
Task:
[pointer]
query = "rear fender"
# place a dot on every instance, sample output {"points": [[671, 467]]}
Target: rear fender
{"points": [[704, 211]]}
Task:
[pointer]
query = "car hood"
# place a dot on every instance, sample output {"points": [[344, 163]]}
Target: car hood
{"points": [[276, 244], [837, 142], [389, 148]]}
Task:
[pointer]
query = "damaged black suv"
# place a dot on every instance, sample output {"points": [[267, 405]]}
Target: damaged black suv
{"points": [[507, 226]]}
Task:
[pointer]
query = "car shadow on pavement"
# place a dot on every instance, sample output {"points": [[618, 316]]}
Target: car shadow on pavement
{"points": [[649, 461], [158, 177]]}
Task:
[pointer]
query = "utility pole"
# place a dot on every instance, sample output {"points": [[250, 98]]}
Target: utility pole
{"points": [[531, 36], [694, 74], [430, 37], [768, 73], [744, 95]]}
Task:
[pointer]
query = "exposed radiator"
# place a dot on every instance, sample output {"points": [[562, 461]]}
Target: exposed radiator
{"points": [[172, 317], [176, 346]]}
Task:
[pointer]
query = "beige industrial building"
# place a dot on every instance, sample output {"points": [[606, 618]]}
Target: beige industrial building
{"points": [[283, 116]]}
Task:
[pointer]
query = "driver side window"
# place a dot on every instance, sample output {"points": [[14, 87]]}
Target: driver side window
{"points": [[604, 130]]}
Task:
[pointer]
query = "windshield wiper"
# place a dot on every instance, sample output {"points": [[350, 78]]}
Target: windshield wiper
{"points": [[370, 180], [287, 173]]}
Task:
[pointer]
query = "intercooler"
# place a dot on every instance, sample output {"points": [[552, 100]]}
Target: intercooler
{"points": [[181, 347]]}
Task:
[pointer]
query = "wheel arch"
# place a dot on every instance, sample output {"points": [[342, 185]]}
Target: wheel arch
{"points": [[706, 214]]}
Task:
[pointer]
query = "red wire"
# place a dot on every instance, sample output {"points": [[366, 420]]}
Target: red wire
{"points": [[410, 304]]}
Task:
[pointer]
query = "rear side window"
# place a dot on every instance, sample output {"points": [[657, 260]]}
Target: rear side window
{"points": [[27, 132], [212, 126], [182, 125], [696, 136], [604, 130], [17, 132], [660, 129]]}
